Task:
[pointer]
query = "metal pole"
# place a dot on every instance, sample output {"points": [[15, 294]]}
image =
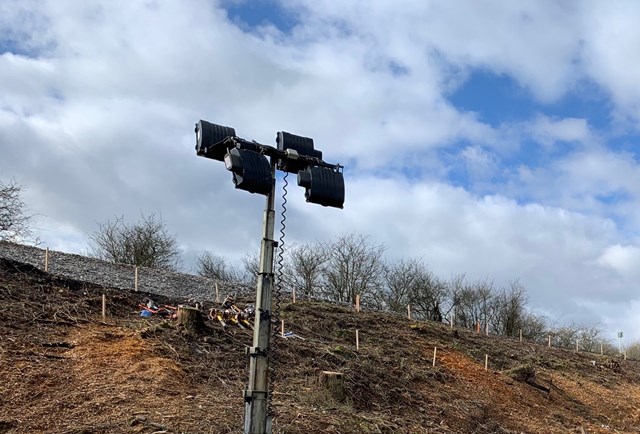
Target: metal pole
{"points": [[256, 395]]}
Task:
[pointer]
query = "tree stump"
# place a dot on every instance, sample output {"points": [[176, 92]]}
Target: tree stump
{"points": [[190, 318], [333, 382]]}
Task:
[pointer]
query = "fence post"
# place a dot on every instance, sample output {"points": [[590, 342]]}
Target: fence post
{"points": [[357, 340], [293, 295], [486, 362], [435, 350], [549, 341], [135, 278], [357, 302], [409, 311], [577, 341], [282, 327], [46, 260]]}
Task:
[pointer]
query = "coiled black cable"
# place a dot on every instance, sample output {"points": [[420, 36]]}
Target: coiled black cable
{"points": [[277, 297]]}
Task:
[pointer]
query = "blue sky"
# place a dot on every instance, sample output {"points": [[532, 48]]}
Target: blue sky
{"points": [[497, 139]]}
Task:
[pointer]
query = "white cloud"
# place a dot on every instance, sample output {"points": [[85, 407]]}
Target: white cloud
{"points": [[481, 165], [594, 180], [610, 50], [622, 259], [98, 122], [548, 131], [533, 42]]}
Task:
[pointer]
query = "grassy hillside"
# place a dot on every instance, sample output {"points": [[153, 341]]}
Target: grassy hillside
{"points": [[62, 370]]}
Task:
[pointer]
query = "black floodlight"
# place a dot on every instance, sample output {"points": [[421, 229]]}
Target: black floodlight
{"points": [[211, 140], [323, 185], [251, 171], [295, 146]]}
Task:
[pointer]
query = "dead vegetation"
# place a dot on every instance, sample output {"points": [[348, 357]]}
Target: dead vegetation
{"points": [[64, 370]]}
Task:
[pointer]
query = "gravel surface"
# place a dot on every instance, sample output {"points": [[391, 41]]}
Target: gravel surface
{"points": [[122, 276]]}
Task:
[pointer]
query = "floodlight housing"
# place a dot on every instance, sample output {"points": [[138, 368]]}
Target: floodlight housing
{"points": [[251, 171], [300, 145], [323, 185], [212, 140]]}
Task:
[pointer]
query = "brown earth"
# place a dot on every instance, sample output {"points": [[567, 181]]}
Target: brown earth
{"points": [[63, 370]]}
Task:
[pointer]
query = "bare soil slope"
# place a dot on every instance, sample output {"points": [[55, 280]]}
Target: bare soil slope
{"points": [[62, 370]]}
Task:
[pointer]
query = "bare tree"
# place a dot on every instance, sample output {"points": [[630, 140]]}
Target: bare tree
{"points": [[565, 336], [429, 294], [589, 338], [354, 266], [251, 265], [610, 349], [456, 288], [475, 304], [216, 267], [145, 243], [633, 349], [401, 279], [305, 269], [14, 220], [534, 327], [509, 309]]}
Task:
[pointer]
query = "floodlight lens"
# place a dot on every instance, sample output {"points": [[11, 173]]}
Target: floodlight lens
{"points": [[323, 186], [251, 171], [211, 140], [301, 145]]}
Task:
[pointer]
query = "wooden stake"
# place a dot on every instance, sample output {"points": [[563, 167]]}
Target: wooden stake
{"points": [[435, 350], [549, 341], [357, 302], [601, 349], [409, 311], [486, 362], [478, 327], [520, 335], [282, 327], [577, 341], [104, 307], [486, 329], [46, 260], [451, 322], [293, 293], [357, 339], [217, 293], [135, 279]]}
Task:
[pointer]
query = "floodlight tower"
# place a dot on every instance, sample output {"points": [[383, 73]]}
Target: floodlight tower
{"points": [[252, 171]]}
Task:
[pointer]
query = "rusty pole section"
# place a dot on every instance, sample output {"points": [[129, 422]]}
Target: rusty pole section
{"points": [[256, 396]]}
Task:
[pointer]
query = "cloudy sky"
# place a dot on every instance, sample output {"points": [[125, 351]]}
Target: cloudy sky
{"points": [[499, 139]]}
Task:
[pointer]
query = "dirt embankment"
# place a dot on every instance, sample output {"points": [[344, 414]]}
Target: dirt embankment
{"points": [[62, 370]]}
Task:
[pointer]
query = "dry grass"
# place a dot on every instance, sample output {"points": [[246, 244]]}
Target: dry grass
{"points": [[64, 371]]}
